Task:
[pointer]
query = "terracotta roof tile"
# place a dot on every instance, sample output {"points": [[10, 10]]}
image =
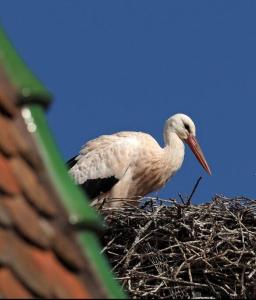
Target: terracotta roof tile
{"points": [[39, 254], [31, 187], [5, 105], [7, 142], [17, 254], [10, 287], [7, 95], [68, 252], [4, 246], [8, 183], [27, 222], [25, 144], [63, 283], [5, 219], [38, 269]]}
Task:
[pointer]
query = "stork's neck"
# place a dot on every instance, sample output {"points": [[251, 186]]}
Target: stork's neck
{"points": [[174, 150]]}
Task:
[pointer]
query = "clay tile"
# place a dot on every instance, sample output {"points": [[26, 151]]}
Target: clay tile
{"points": [[28, 222], [17, 254], [39, 270], [5, 246], [7, 95], [65, 284], [10, 287], [7, 142], [5, 105], [25, 144], [5, 219], [8, 182], [28, 181], [67, 251]]}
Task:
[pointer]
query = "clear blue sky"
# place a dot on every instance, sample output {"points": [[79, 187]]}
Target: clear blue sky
{"points": [[129, 65]]}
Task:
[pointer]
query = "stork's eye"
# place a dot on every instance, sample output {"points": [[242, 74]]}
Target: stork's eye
{"points": [[187, 127]]}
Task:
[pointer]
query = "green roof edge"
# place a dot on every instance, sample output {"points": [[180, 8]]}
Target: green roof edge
{"points": [[36, 97], [29, 87], [72, 197], [77, 205]]}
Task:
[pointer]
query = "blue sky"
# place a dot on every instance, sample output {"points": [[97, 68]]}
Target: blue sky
{"points": [[129, 65]]}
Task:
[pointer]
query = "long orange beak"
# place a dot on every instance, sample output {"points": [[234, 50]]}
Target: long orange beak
{"points": [[196, 149]]}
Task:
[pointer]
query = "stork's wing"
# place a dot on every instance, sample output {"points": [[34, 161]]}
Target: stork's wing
{"points": [[71, 162], [103, 161]]}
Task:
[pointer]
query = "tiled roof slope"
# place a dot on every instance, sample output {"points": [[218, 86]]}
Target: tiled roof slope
{"points": [[39, 256]]}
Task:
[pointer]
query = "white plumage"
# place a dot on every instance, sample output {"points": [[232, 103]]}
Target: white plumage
{"points": [[128, 164]]}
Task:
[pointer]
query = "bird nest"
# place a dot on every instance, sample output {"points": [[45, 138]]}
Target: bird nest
{"points": [[169, 250]]}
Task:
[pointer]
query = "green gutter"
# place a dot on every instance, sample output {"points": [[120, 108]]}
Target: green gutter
{"points": [[72, 197], [75, 201], [34, 97], [29, 87], [31, 92]]}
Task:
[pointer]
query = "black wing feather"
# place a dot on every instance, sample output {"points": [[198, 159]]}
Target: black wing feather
{"points": [[71, 162], [94, 187]]}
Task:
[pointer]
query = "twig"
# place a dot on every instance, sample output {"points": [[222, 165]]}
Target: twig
{"points": [[182, 200], [194, 189]]}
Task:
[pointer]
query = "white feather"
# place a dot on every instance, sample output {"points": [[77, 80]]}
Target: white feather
{"points": [[105, 156]]}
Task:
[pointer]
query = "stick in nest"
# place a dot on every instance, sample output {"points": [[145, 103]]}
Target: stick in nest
{"points": [[188, 201]]}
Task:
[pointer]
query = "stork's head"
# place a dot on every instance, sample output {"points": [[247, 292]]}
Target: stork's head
{"points": [[185, 129]]}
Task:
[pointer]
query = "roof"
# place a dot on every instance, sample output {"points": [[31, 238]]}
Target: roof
{"points": [[41, 253]]}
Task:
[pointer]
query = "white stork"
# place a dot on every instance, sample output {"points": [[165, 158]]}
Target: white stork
{"points": [[128, 164]]}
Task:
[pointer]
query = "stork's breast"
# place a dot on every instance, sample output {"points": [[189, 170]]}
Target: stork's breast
{"points": [[148, 176]]}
